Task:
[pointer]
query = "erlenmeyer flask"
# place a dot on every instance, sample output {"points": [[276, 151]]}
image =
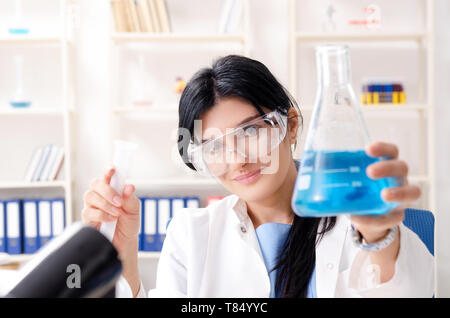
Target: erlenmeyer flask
{"points": [[332, 177]]}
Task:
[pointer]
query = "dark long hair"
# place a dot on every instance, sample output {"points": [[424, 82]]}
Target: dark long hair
{"points": [[250, 80]]}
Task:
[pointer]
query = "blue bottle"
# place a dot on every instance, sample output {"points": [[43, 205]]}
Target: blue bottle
{"points": [[332, 177], [19, 99]]}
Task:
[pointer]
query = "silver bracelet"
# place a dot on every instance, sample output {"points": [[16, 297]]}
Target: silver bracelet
{"points": [[376, 246]]}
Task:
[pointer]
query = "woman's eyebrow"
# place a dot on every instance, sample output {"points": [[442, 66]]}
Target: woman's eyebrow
{"points": [[240, 123], [248, 119]]}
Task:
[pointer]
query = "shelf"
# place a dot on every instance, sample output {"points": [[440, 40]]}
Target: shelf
{"points": [[149, 255], [12, 259], [384, 107], [32, 185], [31, 111], [31, 39], [176, 37], [380, 37]]}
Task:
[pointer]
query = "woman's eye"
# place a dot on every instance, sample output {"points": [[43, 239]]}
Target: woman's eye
{"points": [[214, 147], [251, 131], [270, 123]]}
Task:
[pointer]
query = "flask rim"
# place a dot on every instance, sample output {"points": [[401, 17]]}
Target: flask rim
{"points": [[331, 48]]}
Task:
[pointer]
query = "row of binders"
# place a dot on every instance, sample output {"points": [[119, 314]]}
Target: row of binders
{"points": [[155, 216], [45, 164], [140, 16], [27, 225]]}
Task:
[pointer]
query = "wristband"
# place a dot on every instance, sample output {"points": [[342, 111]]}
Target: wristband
{"points": [[376, 246]]}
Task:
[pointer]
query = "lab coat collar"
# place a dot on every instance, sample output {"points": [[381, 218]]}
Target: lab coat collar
{"points": [[244, 224]]}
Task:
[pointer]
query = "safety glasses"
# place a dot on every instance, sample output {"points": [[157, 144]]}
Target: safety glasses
{"points": [[250, 142]]}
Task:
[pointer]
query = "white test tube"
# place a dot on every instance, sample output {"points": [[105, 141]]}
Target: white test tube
{"points": [[123, 154]]}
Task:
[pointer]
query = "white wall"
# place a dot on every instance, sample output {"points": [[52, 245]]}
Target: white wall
{"points": [[442, 97], [269, 39]]}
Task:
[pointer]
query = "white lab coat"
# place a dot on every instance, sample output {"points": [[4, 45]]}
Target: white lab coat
{"points": [[214, 252]]}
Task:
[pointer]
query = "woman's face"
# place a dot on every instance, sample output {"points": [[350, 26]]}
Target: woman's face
{"points": [[251, 180]]}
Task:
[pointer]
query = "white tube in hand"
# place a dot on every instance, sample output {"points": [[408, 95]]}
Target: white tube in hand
{"points": [[123, 154]]}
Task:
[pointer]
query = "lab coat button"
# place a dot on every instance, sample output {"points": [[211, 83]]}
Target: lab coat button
{"points": [[243, 229], [330, 266]]}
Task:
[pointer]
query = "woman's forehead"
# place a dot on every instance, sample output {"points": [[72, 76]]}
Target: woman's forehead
{"points": [[227, 113]]}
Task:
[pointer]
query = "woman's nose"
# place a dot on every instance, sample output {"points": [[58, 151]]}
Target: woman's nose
{"points": [[235, 156]]}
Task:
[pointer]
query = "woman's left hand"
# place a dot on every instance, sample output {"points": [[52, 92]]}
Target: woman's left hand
{"points": [[375, 227]]}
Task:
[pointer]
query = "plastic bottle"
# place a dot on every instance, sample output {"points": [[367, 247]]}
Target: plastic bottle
{"points": [[123, 154]]}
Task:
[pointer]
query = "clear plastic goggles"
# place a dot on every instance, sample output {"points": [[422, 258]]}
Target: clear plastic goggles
{"points": [[250, 142]]}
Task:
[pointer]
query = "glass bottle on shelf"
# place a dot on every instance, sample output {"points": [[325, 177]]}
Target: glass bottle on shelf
{"points": [[19, 99]]}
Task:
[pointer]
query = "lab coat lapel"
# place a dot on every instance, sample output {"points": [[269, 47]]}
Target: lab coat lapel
{"points": [[328, 255], [235, 254]]}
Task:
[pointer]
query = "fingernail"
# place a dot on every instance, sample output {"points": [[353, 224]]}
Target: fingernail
{"points": [[110, 217], [117, 200], [128, 190], [392, 193]]}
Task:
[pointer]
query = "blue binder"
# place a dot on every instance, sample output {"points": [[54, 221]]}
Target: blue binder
{"points": [[2, 228], [150, 219], [13, 227], [164, 214], [44, 222], [58, 221], [141, 231], [178, 203], [192, 202], [30, 226]]}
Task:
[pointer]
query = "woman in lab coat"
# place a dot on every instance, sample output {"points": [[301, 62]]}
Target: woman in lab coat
{"points": [[251, 244]]}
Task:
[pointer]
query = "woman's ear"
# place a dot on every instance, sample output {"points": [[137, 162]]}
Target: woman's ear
{"points": [[293, 125]]}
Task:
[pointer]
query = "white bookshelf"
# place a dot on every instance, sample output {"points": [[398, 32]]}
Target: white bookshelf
{"points": [[366, 37], [177, 38], [159, 113], [62, 115], [425, 106], [34, 39]]}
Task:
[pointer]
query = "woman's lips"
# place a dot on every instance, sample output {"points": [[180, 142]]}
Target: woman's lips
{"points": [[248, 177]]}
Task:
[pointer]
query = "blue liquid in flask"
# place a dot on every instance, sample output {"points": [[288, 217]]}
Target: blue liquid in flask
{"points": [[335, 182]]}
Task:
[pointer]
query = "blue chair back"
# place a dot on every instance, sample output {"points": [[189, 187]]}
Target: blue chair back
{"points": [[421, 222]]}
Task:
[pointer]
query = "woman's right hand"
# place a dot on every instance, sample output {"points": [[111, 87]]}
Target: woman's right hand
{"points": [[103, 204]]}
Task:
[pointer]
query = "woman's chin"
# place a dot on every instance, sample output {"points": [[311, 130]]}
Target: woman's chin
{"points": [[255, 190]]}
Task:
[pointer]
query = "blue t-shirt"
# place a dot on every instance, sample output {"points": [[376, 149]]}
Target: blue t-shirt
{"points": [[271, 238]]}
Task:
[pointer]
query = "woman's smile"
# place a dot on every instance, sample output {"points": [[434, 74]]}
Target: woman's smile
{"points": [[249, 177]]}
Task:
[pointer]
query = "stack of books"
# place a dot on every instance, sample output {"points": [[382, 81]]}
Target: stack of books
{"points": [[45, 164], [383, 93], [141, 16]]}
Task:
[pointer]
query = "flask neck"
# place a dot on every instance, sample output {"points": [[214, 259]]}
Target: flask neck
{"points": [[333, 66]]}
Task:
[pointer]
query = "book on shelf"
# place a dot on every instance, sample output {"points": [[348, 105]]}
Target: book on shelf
{"points": [[231, 16], [134, 15], [161, 6], [141, 16], [154, 15], [120, 23], [128, 16], [45, 164]]}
